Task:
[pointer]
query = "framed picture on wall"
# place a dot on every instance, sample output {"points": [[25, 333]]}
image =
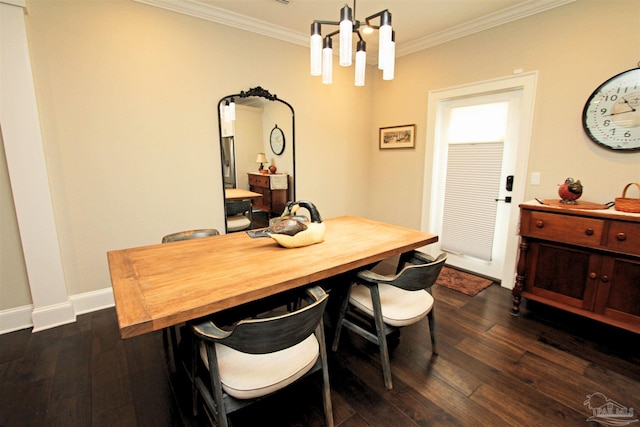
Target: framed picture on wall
{"points": [[398, 137]]}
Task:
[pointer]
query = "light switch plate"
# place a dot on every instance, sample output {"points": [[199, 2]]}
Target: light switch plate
{"points": [[535, 178]]}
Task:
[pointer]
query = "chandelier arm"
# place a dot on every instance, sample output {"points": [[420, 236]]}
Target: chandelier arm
{"points": [[317, 21], [333, 34], [376, 15]]}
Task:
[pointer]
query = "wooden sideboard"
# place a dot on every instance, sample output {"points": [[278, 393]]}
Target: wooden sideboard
{"points": [[583, 261], [274, 189]]}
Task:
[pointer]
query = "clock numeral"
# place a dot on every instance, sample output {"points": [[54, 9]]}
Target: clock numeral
{"points": [[627, 134], [603, 111], [606, 123]]}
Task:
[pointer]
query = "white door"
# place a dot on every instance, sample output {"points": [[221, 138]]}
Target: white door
{"points": [[480, 134]]}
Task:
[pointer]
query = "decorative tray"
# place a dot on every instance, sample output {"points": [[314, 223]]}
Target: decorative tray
{"points": [[580, 204]]}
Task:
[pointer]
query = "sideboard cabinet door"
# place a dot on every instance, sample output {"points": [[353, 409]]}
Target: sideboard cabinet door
{"points": [[619, 290], [564, 274]]}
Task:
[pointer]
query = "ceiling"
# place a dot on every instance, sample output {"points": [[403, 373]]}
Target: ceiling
{"points": [[418, 24]]}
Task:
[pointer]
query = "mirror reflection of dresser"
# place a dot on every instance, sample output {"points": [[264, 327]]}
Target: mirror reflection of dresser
{"points": [[248, 134], [274, 189]]}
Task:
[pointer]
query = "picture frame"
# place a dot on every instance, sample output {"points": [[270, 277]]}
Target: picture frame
{"points": [[398, 137]]}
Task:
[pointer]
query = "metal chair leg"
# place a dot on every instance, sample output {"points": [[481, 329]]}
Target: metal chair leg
{"points": [[194, 372], [432, 330], [220, 411], [382, 338], [341, 315], [326, 388]]}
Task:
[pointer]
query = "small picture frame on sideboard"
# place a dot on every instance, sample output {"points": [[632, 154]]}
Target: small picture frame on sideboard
{"points": [[398, 137]]}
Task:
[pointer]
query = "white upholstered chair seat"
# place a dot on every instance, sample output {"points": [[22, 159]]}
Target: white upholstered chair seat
{"points": [[237, 223], [239, 215], [399, 306], [247, 376]]}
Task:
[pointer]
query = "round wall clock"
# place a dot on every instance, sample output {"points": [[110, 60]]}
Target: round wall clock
{"points": [[277, 140], [611, 116]]}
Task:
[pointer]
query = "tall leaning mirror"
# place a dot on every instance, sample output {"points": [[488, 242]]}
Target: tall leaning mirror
{"points": [[257, 150]]}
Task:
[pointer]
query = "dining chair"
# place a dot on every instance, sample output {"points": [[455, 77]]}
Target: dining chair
{"points": [[239, 215], [236, 365], [170, 333], [392, 301], [190, 234]]}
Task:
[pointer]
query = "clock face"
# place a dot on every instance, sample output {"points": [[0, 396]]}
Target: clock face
{"points": [[611, 116], [277, 140]]}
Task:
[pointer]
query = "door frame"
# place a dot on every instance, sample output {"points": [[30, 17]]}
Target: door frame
{"points": [[527, 83]]}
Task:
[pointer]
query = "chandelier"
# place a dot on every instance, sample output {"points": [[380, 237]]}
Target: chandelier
{"points": [[322, 52]]}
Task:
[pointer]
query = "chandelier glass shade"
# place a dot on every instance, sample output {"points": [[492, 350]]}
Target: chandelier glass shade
{"points": [[321, 49]]}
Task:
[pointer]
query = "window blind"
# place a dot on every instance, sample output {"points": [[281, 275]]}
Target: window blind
{"points": [[471, 187]]}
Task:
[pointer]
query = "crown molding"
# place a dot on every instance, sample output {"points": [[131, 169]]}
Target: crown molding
{"points": [[232, 19], [19, 3], [514, 13]]}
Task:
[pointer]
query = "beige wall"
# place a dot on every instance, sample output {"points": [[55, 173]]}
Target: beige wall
{"points": [[572, 49], [127, 95]]}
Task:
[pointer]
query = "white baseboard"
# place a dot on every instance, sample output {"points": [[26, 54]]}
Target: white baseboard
{"points": [[14, 319], [52, 315], [26, 316], [92, 301]]}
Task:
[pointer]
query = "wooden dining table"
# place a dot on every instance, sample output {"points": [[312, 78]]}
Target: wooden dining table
{"points": [[161, 285], [240, 194]]}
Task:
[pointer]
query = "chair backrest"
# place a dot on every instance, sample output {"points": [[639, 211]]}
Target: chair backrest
{"points": [[237, 207], [419, 272], [190, 234], [270, 334]]}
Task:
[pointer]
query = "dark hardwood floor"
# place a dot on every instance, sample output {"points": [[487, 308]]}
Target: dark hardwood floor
{"points": [[492, 369]]}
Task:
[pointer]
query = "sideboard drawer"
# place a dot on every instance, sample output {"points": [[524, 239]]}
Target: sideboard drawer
{"points": [[259, 180], [564, 228], [624, 237]]}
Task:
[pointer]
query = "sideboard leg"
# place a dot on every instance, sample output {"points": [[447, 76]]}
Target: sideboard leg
{"points": [[516, 292]]}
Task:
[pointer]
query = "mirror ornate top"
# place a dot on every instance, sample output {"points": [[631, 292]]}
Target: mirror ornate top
{"points": [[257, 150]]}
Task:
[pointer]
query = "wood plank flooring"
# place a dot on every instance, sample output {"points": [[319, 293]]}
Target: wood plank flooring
{"points": [[492, 369]]}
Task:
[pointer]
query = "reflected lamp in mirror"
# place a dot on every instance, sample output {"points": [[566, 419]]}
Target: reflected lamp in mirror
{"points": [[262, 159]]}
